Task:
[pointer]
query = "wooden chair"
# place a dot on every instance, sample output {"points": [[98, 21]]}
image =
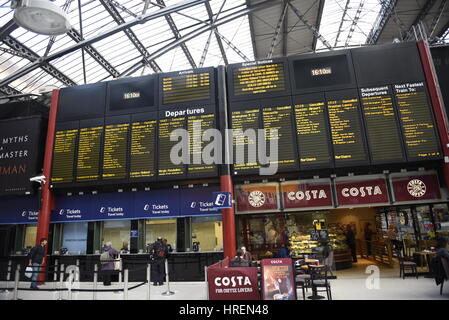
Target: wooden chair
{"points": [[405, 265]]}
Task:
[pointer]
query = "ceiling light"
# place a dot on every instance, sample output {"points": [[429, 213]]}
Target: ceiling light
{"points": [[43, 17]]}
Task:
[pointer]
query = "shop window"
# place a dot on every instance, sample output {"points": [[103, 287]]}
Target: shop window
{"points": [[404, 225], [117, 232], [30, 236], [207, 233], [161, 228], [441, 216], [74, 237], [425, 225]]}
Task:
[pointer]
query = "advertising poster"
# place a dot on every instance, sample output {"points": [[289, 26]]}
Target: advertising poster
{"points": [[278, 282], [233, 283]]}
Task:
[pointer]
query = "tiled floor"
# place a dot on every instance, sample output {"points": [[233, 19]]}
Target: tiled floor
{"points": [[350, 284]]}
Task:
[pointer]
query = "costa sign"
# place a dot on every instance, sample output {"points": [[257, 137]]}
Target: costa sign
{"points": [[415, 186], [364, 190], [307, 194], [257, 197], [233, 283]]}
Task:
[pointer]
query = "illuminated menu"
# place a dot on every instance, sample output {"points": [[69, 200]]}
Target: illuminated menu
{"points": [[115, 151], [416, 119], [186, 88], [245, 145], [346, 131], [253, 78], [143, 135], [312, 133], [381, 124], [196, 125], [280, 119], [64, 156], [166, 165], [88, 163]]}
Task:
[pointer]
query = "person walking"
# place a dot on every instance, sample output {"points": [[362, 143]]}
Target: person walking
{"points": [[107, 263], [35, 260], [158, 254], [350, 241], [239, 260]]}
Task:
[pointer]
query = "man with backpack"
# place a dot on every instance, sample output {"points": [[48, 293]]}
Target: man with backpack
{"points": [[158, 254], [36, 258], [107, 263]]}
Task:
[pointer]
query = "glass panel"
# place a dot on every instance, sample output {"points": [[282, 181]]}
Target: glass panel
{"points": [[207, 235], [74, 237], [441, 216], [426, 227], [30, 236], [117, 232], [161, 228]]}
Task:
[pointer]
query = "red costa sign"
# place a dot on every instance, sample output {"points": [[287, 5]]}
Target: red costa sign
{"points": [[257, 198], [361, 192], [233, 284], [306, 194], [415, 187]]}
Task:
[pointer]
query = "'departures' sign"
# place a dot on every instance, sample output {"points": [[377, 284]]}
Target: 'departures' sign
{"points": [[21, 150]]}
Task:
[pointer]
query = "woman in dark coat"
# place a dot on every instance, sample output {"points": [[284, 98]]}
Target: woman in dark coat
{"points": [[350, 241], [108, 268]]}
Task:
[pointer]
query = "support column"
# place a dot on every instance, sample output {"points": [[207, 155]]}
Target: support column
{"points": [[437, 104], [47, 201], [229, 240]]}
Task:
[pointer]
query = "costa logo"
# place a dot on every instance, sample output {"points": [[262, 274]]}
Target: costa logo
{"points": [[307, 195], [416, 188], [256, 198], [232, 281], [361, 191]]}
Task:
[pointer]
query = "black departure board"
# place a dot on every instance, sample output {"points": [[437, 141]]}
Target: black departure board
{"points": [[280, 118], [346, 130], [418, 128], [143, 146], [166, 166], [186, 87], [196, 125], [89, 149], [312, 134], [381, 124], [64, 156], [115, 151], [255, 78], [241, 121]]}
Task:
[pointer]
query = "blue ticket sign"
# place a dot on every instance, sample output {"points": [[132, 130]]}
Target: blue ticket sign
{"points": [[112, 206], [222, 200], [73, 208], [19, 210], [198, 202], [157, 203]]}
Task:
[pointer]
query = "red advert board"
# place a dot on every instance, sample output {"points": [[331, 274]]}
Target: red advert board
{"points": [[307, 194], [278, 282], [233, 283], [415, 187], [257, 197], [361, 191]]}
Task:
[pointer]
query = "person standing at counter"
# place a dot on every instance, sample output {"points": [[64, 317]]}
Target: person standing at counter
{"points": [[368, 237], [107, 263], [350, 241], [158, 254], [36, 258]]}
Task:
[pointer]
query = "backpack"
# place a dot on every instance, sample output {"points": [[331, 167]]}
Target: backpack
{"points": [[157, 251], [105, 257]]}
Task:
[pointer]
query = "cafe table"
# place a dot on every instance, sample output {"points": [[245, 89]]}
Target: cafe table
{"points": [[425, 256]]}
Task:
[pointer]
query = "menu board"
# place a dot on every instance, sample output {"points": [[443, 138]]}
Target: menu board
{"points": [[115, 151], [346, 131], [88, 162], [418, 128], [259, 77], [186, 86], [241, 120], [381, 124], [143, 146], [312, 134], [280, 118], [196, 125], [64, 156], [166, 167]]}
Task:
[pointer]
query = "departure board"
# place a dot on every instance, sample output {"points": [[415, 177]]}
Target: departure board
{"points": [[241, 121], [416, 119], [312, 134], [381, 124], [143, 145], [115, 151], [88, 163], [186, 87], [196, 125], [64, 156], [166, 167], [257, 78], [346, 131], [280, 118]]}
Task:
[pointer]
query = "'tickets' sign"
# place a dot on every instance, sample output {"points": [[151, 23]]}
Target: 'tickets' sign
{"points": [[233, 284], [257, 197], [361, 191], [278, 282], [415, 186], [307, 194]]}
